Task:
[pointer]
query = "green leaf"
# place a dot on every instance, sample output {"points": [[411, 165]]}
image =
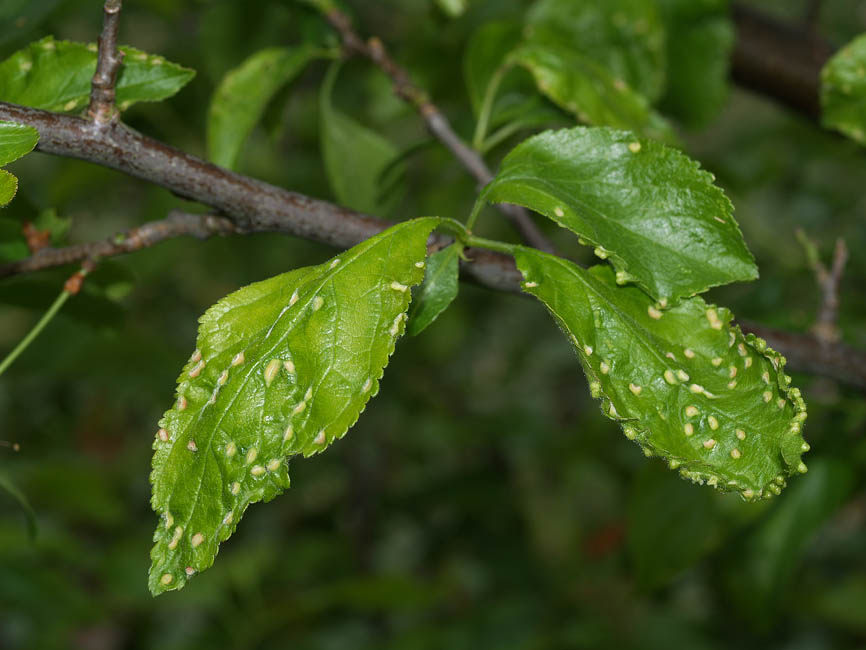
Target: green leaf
{"points": [[684, 384], [16, 140], [438, 290], [843, 91], [700, 39], [241, 98], [55, 76], [8, 187], [627, 37], [282, 367], [355, 156], [588, 90], [647, 207]]}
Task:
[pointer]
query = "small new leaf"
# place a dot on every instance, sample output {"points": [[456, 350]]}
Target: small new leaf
{"points": [[683, 383], [55, 76], [281, 367], [438, 290], [843, 91], [650, 209], [243, 94]]}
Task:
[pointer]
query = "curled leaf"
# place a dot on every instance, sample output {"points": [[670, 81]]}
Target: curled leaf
{"points": [[684, 383]]}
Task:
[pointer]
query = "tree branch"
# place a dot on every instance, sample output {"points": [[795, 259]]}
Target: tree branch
{"points": [[437, 123], [779, 60], [256, 206], [176, 224], [102, 89]]}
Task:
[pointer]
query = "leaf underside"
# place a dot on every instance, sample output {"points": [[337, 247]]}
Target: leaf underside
{"points": [[649, 208], [843, 91], [55, 76], [438, 291], [683, 383], [282, 367]]}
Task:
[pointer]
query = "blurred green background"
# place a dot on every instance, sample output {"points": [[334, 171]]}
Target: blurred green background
{"points": [[481, 501]]}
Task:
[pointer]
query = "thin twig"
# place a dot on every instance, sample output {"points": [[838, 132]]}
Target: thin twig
{"points": [[826, 328], [779, 60], [71, 288], [176, 224], [102, 90], [437, 123]]}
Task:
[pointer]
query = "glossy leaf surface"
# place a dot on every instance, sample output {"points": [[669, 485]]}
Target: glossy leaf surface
{"points": [[683, 383], [588, 90], [438, 290], [626, 37], [282, 367], [843, 91], [241, 98], [647, 207], [55, 76], [356, 157], [16, 140]]}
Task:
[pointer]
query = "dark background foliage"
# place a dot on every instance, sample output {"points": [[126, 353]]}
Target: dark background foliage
{"points": [[481, 501]]}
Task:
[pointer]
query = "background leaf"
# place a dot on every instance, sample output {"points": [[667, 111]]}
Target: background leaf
{"points": [[282, 367], [588, 90], [843, 91], [55, 76], [767, 561], [241, 98], [647, 207], [438, 290], [626, 37], [355, 157], [683, 384], [701, 37]]}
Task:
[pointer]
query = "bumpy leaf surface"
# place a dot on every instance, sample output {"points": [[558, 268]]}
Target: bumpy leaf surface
{"points": [[282, 367], [55, 76], [683, 383], [438, 291], [843, 91], [16, 140], [588, 90], [627, 37], [356, 158], [243, 94], [647, 207]]}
